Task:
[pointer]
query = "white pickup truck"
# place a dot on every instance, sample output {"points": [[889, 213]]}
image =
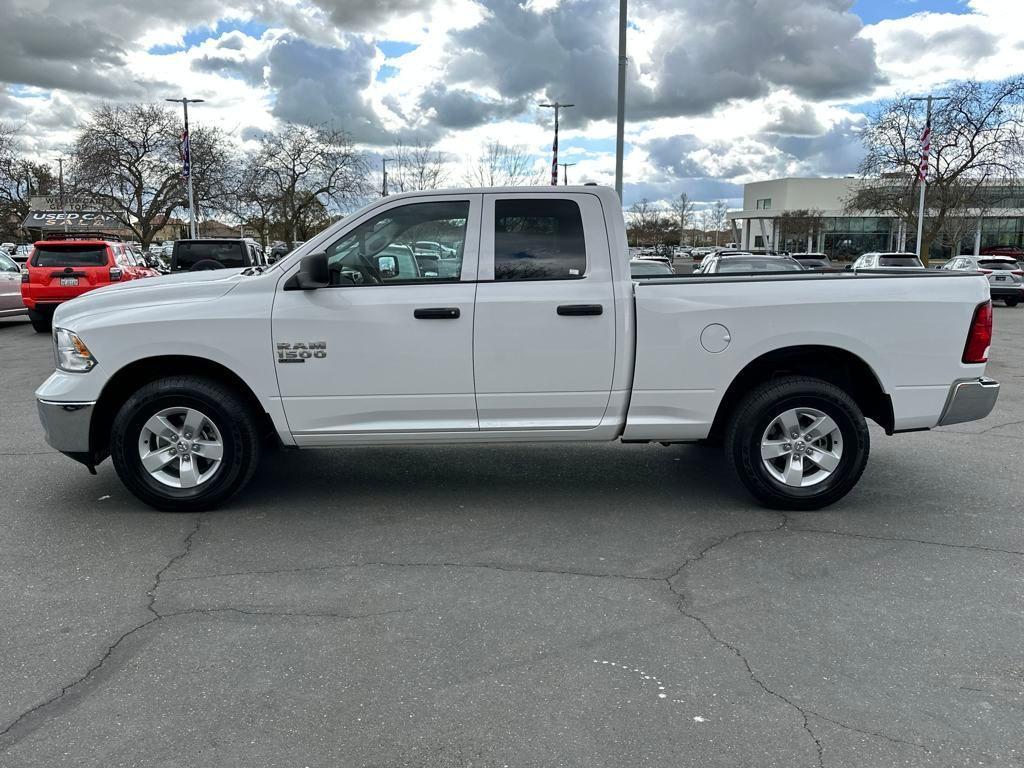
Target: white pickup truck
{"points": [[525, 327]]}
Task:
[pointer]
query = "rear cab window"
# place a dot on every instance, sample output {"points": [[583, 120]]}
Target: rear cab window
{"points": [[69, 255], [187, 255]]}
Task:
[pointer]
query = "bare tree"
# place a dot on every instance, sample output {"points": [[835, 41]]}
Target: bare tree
{"points": [[307, 169], [802, 224], [977, 141], [128, 157], [503, 165], [417, 166], [718, 217], [682, 208]]}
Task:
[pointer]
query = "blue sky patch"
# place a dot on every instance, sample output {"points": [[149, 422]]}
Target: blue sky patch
{"points": [[392, 49], [197, 35], [872, 11]]}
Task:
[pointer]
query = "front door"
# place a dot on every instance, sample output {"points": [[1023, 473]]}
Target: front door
{"points": [[388, 346], [544, 347]]}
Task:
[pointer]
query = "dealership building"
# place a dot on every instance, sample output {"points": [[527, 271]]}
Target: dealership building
{"points": [[761, 224]]}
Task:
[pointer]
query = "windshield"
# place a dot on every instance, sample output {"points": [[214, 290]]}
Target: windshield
{"points": [[899, 261], [187, 255], [759, 265], [1000, 265], [70, 256], [7, 264]]}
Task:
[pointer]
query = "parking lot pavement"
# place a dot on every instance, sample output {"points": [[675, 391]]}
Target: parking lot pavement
{"points": [[522, 606]]}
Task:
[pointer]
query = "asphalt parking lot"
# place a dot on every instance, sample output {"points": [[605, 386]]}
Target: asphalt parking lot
{"points": [[516, 606]]}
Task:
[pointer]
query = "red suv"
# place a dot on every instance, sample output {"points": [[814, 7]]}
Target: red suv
{"points": [[60, 270]]}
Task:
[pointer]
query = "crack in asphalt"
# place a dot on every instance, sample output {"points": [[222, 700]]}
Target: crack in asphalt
{"points": [[848, 727], [9, 737], [303, 614], [899, 539]]}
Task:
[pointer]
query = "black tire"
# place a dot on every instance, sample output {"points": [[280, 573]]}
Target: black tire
{"points": [[42, 322], [756, 413], [1012, 302], [226, 410]]}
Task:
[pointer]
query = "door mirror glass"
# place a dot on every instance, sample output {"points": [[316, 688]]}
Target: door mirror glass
{"points": [[388, 266]]}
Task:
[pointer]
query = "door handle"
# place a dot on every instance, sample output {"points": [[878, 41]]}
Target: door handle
{"points": [[578, 310], [437, 313]]}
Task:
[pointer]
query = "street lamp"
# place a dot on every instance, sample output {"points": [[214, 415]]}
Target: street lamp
{"points": [[565, 173], [187, 163], [620, 120], [554, 147]]}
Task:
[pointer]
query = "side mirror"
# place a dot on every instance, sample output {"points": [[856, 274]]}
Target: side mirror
{"points": [[388, 266], [313, 273]]}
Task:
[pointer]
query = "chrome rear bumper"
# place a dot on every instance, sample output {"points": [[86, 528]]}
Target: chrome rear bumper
{"points": [[969, 400]]}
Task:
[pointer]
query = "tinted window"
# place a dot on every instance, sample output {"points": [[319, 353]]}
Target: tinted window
{"points": [[899, 261], [7, 264], [538, 240], [758, 265], [648, 268], [1004, 265], [187, 255], [70, 256], [390, 247]]}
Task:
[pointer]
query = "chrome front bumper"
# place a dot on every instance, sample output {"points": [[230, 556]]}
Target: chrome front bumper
{"points": [[66, 425], [969, 400]]}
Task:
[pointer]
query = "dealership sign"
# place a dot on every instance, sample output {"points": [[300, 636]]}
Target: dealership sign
{"points": [[71, 220]]}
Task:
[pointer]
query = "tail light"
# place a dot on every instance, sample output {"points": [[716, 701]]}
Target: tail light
{"points": [[1019, 272], [985, 271], [24, 275], [979, 337], [115, 274]]}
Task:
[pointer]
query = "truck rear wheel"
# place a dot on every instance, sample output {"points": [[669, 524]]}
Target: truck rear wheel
{"points": [[185, 444], [798, 443]]}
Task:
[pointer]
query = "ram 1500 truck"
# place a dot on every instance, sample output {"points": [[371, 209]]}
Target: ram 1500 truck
{"points": [[537, 333]]}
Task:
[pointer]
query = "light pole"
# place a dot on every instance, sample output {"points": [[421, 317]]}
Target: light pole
{"points": [[922, 172], [554, 147], [384, 185], [565, 173], [620, 120], [187, 163]]}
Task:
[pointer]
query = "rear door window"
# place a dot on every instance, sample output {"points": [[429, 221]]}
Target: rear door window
{"points": [[70, 256], [540, 239], [1008, 266]]}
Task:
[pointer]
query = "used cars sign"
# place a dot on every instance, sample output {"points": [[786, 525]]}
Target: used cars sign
{"points": [[71, 220]]}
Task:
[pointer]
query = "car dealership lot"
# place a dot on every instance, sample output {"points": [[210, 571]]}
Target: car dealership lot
{"points": [[578, 605]]}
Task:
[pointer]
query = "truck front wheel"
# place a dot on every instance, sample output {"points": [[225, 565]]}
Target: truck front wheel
{"points": [[798, 443], [184, 444]]}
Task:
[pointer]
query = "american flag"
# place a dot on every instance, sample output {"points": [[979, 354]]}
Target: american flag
{"points": [[926, 150], [554, 156], [186, 156]]}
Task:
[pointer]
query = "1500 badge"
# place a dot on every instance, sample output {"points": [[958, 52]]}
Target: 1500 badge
{"points": [[300, 352]]}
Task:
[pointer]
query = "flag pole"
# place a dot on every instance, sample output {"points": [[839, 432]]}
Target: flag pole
{"points": [[187, 165], [922, 175]]}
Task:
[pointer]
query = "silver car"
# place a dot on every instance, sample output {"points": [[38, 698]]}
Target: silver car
{"points": [[1005, 276], [10, 288], [888, 260]]}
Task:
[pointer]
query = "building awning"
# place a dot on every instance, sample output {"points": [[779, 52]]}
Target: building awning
{"points": [[58, 221]]}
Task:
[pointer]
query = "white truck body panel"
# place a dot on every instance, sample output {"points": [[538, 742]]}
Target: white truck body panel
{"points": [[510, 368]]}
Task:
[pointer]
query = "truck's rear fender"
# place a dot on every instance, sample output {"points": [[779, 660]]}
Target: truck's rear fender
{"points": [[140, 372], [832, 364]]}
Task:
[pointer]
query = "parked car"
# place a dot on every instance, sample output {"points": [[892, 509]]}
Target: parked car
{"points": [[11, 303], [222, 253], [893, 260], [543, 336], [1012, 251], [7, 248], [1005, 276], [21, 253], [60, 270], [649, 268], [737, 262], [813, 260], [664, 260]]}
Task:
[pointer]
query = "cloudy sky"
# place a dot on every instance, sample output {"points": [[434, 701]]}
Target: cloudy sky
{"points": [[720, 92]]}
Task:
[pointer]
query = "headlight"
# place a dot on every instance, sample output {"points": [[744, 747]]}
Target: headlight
{"points": [[71, 353]]}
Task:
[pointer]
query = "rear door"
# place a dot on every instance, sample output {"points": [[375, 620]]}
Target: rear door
{"points": [[61, 271], [544, 340]]}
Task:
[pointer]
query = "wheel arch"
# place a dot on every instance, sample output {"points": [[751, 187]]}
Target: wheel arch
{"points": [[835, 365], [148, 369]]}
